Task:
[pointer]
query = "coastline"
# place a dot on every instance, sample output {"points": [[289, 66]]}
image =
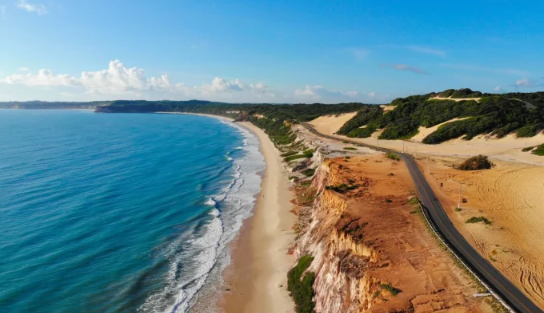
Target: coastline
{"points": [[256, 279]]}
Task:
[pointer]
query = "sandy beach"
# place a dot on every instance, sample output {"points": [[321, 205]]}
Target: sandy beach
{"points": [[256, 281]]}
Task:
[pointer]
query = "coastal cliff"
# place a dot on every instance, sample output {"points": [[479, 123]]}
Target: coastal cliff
{"points": [[371, 250]]}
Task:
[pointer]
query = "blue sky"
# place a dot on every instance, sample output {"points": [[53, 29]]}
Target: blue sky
{"points": [[266, 51]]}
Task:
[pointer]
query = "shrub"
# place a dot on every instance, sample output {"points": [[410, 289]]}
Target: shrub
{"points": [[466, 93], [392, 156], [479, 162], [308, 153], [349, 148], [309, 172], [527, 149], [289, 153], [394, 291], [446, 93], [343, 188], [302, 289], [539, 150], [413, 201], [527, 131], [294, 157], [479, 219], [364, 132]]}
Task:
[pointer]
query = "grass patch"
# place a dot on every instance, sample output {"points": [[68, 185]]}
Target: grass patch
{"points": [[393, 156], [413, 201], [539, 150], [288, 153], [343, 188], [301, 288], [306, 154], [479, 219], [394, 291], [309, 172], [349, 148], [458, 209], [295, 157], [527, 149]]}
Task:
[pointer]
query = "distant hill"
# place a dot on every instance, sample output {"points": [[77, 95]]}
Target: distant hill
{"points": [[498, 114], [479, 113]]}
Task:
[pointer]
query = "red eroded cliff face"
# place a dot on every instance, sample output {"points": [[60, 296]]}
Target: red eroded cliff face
{"points": [[372, 251]]}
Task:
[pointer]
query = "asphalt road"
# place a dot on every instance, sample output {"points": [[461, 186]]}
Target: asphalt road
{"points": [[507, 291]]}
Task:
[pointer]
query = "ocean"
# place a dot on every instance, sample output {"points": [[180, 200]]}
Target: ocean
{"points": [[118, 212]]}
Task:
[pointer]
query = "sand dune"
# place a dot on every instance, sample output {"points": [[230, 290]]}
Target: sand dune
{"points": [[505, 149], [510, 195], [330, 124]]}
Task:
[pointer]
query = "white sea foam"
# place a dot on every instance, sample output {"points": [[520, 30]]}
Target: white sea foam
{"points": [[211, 202], [198, 257]]}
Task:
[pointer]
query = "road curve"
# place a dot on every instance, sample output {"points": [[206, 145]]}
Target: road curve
{"points": [[500, 285]]}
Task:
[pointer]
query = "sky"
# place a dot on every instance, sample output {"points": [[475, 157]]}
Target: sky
{"points": [[276, 51]]}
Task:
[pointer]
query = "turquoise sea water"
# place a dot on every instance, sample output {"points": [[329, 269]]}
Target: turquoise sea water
{"points": [[118, 212]]}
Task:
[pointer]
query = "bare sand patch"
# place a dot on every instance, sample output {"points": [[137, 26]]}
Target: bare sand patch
{"points": [[454, 99], [332, 123], [424, 131], [510, 196]]}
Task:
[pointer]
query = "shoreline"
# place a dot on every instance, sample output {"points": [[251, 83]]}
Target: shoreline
{"points": [[256, 278]]}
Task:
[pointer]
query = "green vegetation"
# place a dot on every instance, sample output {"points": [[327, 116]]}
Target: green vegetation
{"points": [[413, 201], [479, 219], [466, 93], [349, 148], [289, 153], [479, 162], [495, 114], [539, 150], [306, 154], [392, 156], [295, 157], [527, 149], [394, 291], [343, 188], [308, 172], [301, 288]]}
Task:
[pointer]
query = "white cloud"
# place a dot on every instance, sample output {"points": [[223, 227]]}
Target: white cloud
{"points": [[497, 89], [24, 69], [360, 54], [43, 78], [320, 93], [121, 82], [471, 67], [219, 85], [427, 50], [404, 67], [38, 8], [524, 83]]}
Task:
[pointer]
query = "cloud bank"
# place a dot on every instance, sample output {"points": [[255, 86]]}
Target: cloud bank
{"points": [[404, 67], [121, 82]]}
